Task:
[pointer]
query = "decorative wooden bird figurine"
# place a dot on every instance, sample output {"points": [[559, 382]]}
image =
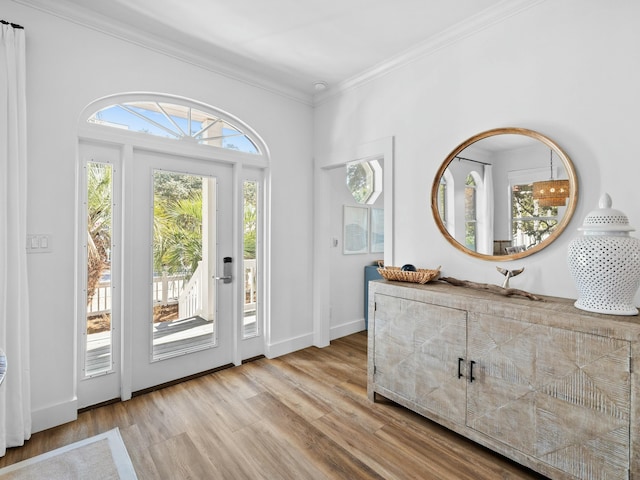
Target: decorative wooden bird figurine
{"points": [[508, 274]]}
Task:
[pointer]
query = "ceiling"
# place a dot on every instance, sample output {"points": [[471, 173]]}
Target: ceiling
{"points": [[291, 43]]}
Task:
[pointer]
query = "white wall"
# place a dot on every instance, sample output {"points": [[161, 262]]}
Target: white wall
{"points": [[568, 69], [68, 66]]}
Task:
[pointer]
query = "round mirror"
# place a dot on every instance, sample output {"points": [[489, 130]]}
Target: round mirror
{"points": [[504, 194]]}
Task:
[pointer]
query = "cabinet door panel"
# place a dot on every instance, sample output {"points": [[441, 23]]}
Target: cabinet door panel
{"points": [[501, 400], [440, 341], [417, 351], [394, 355], [560, 396]]}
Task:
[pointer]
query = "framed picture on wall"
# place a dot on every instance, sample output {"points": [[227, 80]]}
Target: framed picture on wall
{"points": [[355, 230], [376, 241]]}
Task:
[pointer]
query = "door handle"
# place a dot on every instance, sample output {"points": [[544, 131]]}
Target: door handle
{"points": [[226, 265], [460, 361], [471, 377]]}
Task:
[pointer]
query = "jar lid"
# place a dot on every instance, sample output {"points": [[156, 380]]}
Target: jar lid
{"points": [[606, 219]]}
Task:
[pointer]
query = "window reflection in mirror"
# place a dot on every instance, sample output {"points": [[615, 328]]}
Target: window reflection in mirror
{"points": [[442, 200], [531, 223], [470, 213]]}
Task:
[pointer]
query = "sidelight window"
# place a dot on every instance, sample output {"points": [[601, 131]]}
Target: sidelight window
{"points": [[250, 324], [98, 319]]}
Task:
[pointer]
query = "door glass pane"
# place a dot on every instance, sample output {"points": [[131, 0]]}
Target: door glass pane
{"points": [[250, 317], [98, 351], [184, 208]]}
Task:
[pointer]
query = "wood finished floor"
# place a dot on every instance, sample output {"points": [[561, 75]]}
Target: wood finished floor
{"points": [[300, 416]]}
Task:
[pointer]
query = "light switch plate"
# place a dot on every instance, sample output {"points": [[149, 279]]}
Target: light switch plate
{"points": [[39, 243]]}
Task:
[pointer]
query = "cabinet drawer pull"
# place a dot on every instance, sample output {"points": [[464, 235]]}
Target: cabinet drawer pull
{"points": [[471, 377], [460, 360]]}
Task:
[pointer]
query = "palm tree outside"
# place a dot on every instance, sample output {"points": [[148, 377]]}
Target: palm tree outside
{"points": [[99, 232], [177, 230]]}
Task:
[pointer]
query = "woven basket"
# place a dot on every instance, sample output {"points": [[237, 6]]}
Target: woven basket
{"points": [[396, 274]]}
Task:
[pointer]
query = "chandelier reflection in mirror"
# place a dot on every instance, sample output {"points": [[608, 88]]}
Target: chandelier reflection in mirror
{"points": [[551, 193]]}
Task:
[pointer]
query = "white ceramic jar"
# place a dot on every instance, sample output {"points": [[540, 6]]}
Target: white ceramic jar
{"points": [[605, 262]]}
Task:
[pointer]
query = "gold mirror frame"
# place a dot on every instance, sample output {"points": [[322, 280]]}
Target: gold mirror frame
{"points": [[571, 206]]}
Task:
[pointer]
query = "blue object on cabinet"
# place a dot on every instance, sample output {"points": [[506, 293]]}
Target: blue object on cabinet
{"points": [[370, 273]]}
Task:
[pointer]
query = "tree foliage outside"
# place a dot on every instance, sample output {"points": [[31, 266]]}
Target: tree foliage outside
{"points": [[250, 194], [360, 181], [174, 186]]}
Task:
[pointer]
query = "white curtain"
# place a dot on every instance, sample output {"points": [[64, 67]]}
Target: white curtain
{"points": [[15, 391], [485, 213]]}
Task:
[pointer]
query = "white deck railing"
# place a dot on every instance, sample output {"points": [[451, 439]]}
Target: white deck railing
{"points": [[171, 289], [167, 288], [250, 286], [190, 301], [101, 301]]}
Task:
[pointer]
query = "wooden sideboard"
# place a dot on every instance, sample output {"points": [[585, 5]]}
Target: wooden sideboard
{"points": [[546, 384]]}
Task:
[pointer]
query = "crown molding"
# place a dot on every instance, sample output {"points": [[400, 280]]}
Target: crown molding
{"points": [[100, 23], [450, 36], [273, 82]]}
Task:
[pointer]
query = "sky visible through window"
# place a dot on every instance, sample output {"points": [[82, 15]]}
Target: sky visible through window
{"points": [[131, 117]]}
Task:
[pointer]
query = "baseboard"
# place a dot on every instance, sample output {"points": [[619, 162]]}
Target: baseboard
{"points": [[354, 326], [54, 415], [298, 343], [290, 345]]}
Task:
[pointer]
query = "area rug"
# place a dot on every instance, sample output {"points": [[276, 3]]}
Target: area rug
{"points": [[104, 456]]}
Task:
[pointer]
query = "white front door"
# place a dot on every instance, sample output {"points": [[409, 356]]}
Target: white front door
{"points": [[177, 301]]}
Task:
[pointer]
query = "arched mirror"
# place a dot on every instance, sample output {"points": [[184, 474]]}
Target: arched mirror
{"points": [[504, 194]]}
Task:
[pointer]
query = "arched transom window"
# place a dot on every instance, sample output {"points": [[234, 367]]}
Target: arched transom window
{"points": [[171, 120]]}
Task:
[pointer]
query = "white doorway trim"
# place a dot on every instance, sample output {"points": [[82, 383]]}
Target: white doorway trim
{"points": [[382, 149]]}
